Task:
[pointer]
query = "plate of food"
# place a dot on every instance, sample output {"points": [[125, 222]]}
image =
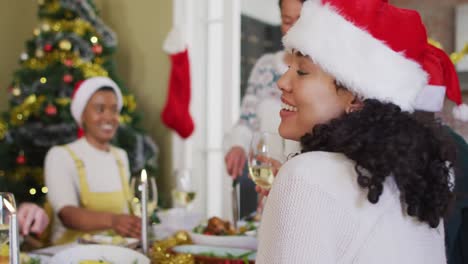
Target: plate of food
{"points": [[211, 254], [109, 239], [102, 254], [217, 232]]}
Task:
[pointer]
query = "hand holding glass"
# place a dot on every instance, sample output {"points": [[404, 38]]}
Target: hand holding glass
{"points": [[266, 154]]}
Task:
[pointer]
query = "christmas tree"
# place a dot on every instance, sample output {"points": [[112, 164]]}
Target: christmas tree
{"points": [[70, 44]]}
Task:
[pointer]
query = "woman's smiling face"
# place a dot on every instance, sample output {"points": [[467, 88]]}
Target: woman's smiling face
{"points": [[309, 97]]}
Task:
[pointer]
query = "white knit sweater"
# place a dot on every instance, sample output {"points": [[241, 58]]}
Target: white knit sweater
{"points": [[317, 213]]}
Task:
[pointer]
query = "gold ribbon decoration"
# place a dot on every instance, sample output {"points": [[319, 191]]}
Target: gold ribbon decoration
{"points": [[159, 251], [31, 105], [3, 129], [129, 102]]}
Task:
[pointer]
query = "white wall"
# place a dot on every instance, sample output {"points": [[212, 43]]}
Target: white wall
{"points": [[461, 34], [264, 10]]}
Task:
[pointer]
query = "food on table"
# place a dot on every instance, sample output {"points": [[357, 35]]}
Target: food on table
{"points": [[4, 253], [115, 240], [25, 259], [94, 262], [218, 227]]}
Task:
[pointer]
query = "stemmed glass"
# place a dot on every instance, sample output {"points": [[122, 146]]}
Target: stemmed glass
{"points": [[7, 204], [183, 194], [266, 152], [135, 191]]}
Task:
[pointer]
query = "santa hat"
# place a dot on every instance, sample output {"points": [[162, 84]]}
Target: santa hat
{"points": [[374, 49], [85, 89], [443, 81]]}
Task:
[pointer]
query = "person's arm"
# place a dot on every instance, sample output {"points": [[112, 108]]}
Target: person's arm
{"points": [[80, 219], [303, 223], [63, 196], [238, 141]]}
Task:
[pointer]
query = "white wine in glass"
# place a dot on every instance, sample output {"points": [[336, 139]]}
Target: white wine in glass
{"points": [[5, 225], [262, 175], [266, 150], [135, 191], [183, 198], [183, 194]]}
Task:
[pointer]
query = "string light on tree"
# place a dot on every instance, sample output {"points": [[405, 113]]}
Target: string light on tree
{"points": [[43, 80], [32, 191], [24, 56], [16, 91], [44, 190], [45, 27], [94, 39]]}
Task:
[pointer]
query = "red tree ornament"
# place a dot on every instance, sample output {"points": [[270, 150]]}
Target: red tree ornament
{"points": [[97, 49], [21, 159], [68, 62], [48, 47], [50, 110], [68, 78]]}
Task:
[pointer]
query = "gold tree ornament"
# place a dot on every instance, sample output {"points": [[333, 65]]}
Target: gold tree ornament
{"points": [[36, 32], [16, 91], [39, 53], [65, 45], [45, 27]]}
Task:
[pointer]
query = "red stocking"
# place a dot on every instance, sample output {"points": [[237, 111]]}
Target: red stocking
{"points": [[176, 113]]}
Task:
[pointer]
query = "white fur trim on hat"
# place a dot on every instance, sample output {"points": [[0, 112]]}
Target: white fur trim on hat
{"points": [[460, 112], [362, 63], [430, 99], [175, 41], [86, 90]]}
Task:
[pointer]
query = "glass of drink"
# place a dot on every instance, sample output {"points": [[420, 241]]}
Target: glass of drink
{"points": [[6, 200], [135, 192], [265, 155], [183, 194]]}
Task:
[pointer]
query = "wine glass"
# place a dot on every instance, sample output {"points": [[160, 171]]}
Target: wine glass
{"points": [[135, 192], [7, 204], [267, 152], [183, 194]]}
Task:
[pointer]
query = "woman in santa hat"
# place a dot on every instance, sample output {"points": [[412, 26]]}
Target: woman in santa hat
{"points": [[88, 178], [373, 182]]}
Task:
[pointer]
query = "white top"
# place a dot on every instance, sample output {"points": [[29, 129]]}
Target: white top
{"points": [[61, 175], [261, 103], [317, 213]]}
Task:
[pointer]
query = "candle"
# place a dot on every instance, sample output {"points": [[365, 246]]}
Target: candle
{"points": [[144, 211], [13, 234]]}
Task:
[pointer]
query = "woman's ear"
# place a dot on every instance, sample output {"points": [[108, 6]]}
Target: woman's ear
{"points": [[355, 104]]}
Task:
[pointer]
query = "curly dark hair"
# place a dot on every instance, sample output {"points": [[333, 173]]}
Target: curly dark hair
{"points": [[384, 141]]}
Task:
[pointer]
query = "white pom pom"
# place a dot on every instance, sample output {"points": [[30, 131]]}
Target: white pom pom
{"points": [[175, 41], [460, 112]]}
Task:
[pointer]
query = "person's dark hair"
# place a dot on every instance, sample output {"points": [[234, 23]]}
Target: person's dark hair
{"points": [[281, 1], [384, 141], [106, 88]]}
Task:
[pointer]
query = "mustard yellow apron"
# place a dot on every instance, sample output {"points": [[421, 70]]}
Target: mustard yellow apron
{"points": [[113, 202]]}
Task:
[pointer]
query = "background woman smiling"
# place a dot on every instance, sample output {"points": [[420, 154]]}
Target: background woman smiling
{"points": [[88, 178]]}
